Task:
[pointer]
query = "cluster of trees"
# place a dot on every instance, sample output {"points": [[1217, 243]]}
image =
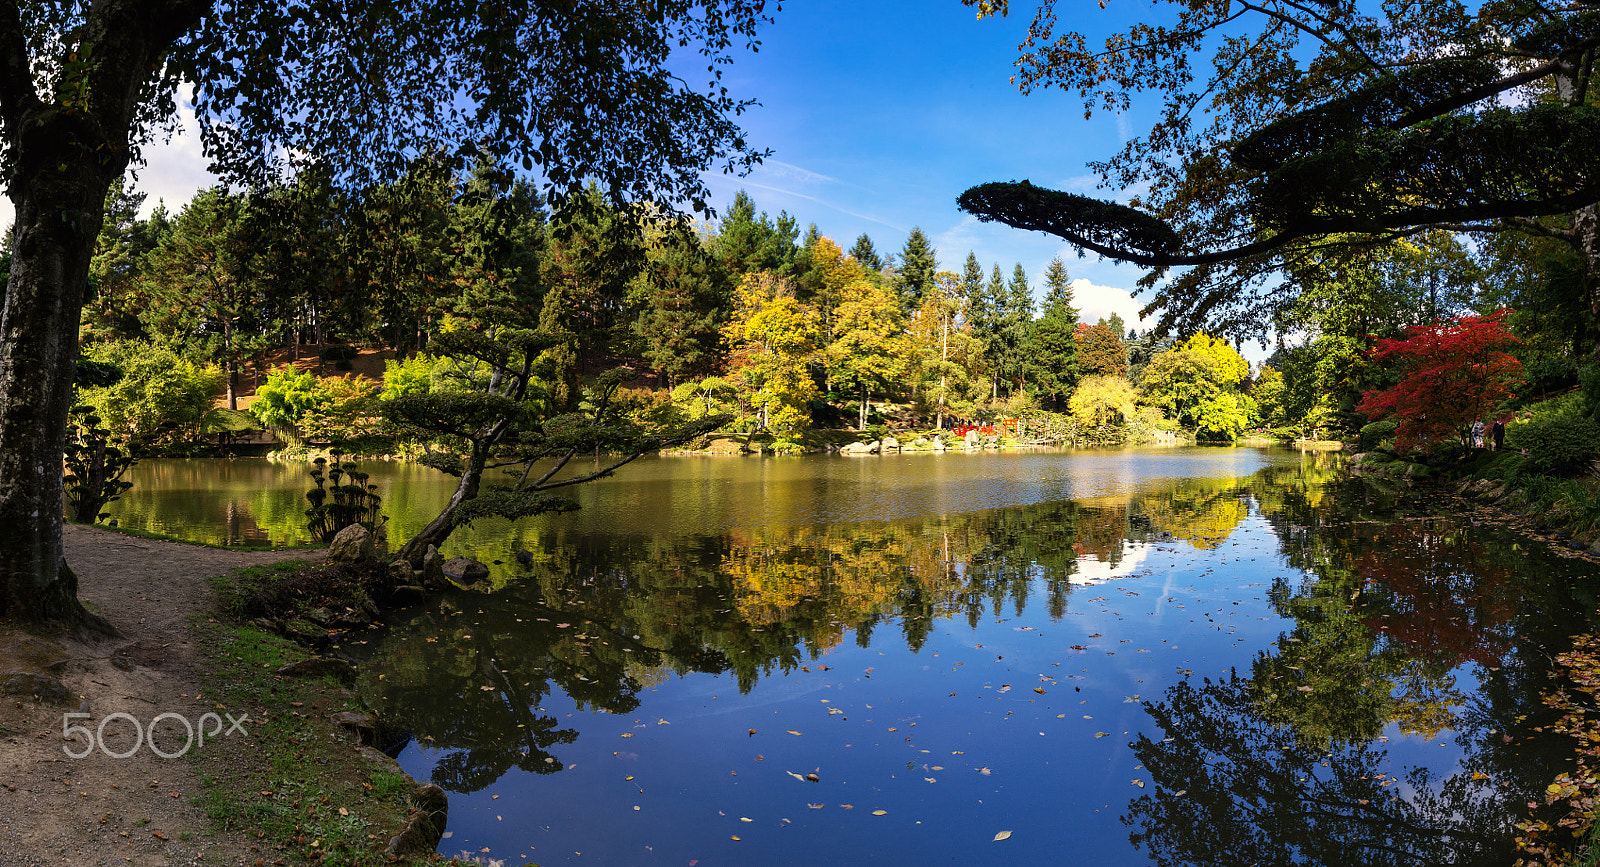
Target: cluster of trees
{"points": [[747, 317]]}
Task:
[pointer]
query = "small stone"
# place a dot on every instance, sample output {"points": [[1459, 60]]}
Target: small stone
{"points": [[464, 570], [42, 686]]}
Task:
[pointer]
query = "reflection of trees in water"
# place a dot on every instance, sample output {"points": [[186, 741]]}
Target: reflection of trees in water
{"points": [[1388, 611], [1233, 788], [596, 615]]}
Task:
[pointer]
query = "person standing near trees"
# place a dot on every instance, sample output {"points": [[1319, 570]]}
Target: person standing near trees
{"points": [[1477, 433], [1498, 433]]}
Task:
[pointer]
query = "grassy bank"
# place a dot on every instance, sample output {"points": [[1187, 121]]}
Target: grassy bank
{"points": [[303, 784]]}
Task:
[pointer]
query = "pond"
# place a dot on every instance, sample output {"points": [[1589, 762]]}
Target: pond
{"points": [[1181, 656]]}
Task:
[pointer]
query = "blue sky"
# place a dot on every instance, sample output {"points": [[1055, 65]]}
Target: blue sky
{"points": [[879, 114]]}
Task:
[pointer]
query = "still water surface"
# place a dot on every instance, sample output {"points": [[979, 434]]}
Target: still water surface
{"points": [[1182, 656]]}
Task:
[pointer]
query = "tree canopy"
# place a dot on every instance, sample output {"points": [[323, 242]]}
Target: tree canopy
{"points": [[1289, 128], [575, 92]]}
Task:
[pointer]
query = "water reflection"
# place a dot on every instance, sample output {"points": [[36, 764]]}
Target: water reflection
{"points": [[1340, 678], [1408, 626], [1232, 788], [599, 617]]}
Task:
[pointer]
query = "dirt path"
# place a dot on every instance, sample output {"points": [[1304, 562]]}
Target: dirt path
{"points": [[99, 810]]}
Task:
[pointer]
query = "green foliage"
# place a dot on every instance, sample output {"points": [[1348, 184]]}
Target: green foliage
{"points": [[160, 398], [284, 398], [1589, 378], [95, 464], [1268, 392], [413, 375], [1556, 445], [1377, 433], [342, 497]]}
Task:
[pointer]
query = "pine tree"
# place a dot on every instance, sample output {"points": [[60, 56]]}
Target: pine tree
{"points": [[1016, 325], [993, 332], [1050, 355], [918, 262], [865, 253]]}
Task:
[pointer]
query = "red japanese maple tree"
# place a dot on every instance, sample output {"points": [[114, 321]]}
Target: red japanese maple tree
{"points": [[1453, 373]]}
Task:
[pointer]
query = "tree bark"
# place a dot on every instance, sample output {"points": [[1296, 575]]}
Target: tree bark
{"points": [[57, 219], [443, 524], [63, 157]]}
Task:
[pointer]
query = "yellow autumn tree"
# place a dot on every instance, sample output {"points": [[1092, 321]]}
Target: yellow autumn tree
{"points": [[774, 338]]}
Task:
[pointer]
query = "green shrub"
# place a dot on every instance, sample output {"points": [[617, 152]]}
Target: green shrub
{"points": [[1589, 378], [285, 396], [411, 376], [1556, 445], [1373, 435], [160, 397]]}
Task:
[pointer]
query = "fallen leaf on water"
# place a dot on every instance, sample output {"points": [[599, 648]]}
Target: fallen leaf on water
{"points": [[662, 722], [1038, 690], [1003, 835], [813, 778], [1102, 734], [930, 779], [734, 837], [627, 734], [880, 812], [847, 806], [1180, 793], [1139, 783], [984, 771], [746, 819], [816, 806]]}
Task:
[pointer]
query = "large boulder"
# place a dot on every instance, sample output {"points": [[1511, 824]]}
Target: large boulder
{"points": [[352, 543], [860, 448], [888, 444], [973, 439], [465, 570], [937, 444]]}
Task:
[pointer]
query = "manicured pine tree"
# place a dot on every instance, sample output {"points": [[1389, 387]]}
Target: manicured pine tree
{"points": [[1050, 355]]}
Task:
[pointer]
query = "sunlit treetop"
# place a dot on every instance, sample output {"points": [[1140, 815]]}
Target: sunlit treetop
{"points": [[573, 90], [1283, 124]]}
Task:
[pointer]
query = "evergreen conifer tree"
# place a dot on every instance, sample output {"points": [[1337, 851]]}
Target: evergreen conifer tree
{"points": [[918, 262], [865, 253]]}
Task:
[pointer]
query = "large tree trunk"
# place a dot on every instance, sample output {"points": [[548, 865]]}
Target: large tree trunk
{"points": [[58, 215], [62, 160], [1586, 237]]}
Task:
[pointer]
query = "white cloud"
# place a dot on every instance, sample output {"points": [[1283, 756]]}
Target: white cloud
{"points": [[174, 170], [1099, 302], [788, 171]]}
